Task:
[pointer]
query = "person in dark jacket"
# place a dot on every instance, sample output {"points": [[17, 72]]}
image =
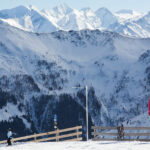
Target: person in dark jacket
{"points": [[120, 132], [9, 136]]}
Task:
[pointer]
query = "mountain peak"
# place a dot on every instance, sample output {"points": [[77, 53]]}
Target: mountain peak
{"points": [[86, 9], [147, 14], [103, 10], [106, 17], [19, 8], [125, 11], [63, 8], [16, 12], [31, 7]]}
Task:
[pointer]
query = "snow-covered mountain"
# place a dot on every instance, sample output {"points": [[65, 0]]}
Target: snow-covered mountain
{"points": [[79, 20], [38, 71], [125, 14], [106, 17], [29, 19], [126, 22]]}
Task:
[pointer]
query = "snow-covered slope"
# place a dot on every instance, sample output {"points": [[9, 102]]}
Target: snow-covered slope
{"points": [[28, 18], [81, 146], [78, 20], [106, 17], [126, 14], [131, 23], [126, 22], [38, 71]]}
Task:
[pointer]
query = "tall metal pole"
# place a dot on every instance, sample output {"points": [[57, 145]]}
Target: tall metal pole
{"points": [[87, 125]]}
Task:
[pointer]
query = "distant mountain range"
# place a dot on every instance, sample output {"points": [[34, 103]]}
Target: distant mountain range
{"points": [[62, 17]]}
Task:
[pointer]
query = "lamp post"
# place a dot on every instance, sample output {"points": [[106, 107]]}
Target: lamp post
{"points": [[87, 125]]}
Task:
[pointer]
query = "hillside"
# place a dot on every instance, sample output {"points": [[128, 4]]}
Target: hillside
{"points": [[38, 71]]}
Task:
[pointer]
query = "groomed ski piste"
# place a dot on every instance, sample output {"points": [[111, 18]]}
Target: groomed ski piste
{"points": [[90, 145]]}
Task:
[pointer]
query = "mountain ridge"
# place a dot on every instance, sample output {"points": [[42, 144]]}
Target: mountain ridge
{"points": [[125, 22]]}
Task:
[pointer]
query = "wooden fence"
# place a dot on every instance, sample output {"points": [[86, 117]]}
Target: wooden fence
{"points": [[69, 134], [130, 134]]}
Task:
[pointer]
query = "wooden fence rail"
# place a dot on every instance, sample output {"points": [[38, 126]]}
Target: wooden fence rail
{"points": [[74, 134], [115, 128], [129, 134]]}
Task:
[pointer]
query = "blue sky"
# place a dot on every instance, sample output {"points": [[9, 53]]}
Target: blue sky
{"points": [[113, 5]]}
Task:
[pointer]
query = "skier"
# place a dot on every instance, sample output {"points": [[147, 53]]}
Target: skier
{"points": [[9, 137]]}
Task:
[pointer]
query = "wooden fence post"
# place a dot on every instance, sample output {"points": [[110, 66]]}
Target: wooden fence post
{"points": [[57, 135], [77, 133], [35, 137], [12, 140], [94, 133]]}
